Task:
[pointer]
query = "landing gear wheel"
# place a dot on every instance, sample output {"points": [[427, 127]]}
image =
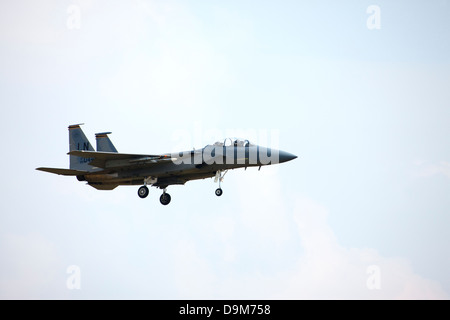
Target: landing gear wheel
{"points": [[165, 199], [143, 192], [219, 192]]}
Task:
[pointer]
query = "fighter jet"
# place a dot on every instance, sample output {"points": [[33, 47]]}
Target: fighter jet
{"points": [[106, 169]]}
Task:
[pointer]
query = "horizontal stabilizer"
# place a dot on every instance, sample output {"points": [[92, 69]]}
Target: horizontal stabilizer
{"points": [[64, 172]]}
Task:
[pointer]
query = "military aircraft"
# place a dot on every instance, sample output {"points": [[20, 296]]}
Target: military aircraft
{"points": [[105, 169]]}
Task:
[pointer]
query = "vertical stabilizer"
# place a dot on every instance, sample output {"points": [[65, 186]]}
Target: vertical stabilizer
{"points": [[78, 141], [104, 144]]}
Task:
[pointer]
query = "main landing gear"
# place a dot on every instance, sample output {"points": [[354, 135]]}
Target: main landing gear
{"points": [[164, 199], [143, 192]]}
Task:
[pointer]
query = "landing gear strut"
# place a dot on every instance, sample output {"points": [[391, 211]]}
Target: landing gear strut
{"points": [[220, 174], [165, 198]]}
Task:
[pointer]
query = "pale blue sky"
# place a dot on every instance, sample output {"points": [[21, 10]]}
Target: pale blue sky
{"points": [[366, 111]]}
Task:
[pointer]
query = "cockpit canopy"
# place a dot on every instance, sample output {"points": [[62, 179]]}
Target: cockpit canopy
{"points": [[228, 142]]}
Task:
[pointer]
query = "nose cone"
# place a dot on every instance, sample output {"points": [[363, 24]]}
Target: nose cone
{"points": [[286, 156]]}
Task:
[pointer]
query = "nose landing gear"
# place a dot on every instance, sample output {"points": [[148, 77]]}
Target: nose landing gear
{"points": [[220, 174]]}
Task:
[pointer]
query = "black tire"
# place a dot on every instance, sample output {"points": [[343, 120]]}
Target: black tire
{"points": [[219, 192], [143, 192], [165, 199]]}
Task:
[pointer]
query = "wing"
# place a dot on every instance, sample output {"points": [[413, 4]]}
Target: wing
{"points": [[109, 160], [64, 172]]}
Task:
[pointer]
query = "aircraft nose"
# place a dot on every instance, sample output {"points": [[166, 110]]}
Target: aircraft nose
{"points": [[286, 156]]}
